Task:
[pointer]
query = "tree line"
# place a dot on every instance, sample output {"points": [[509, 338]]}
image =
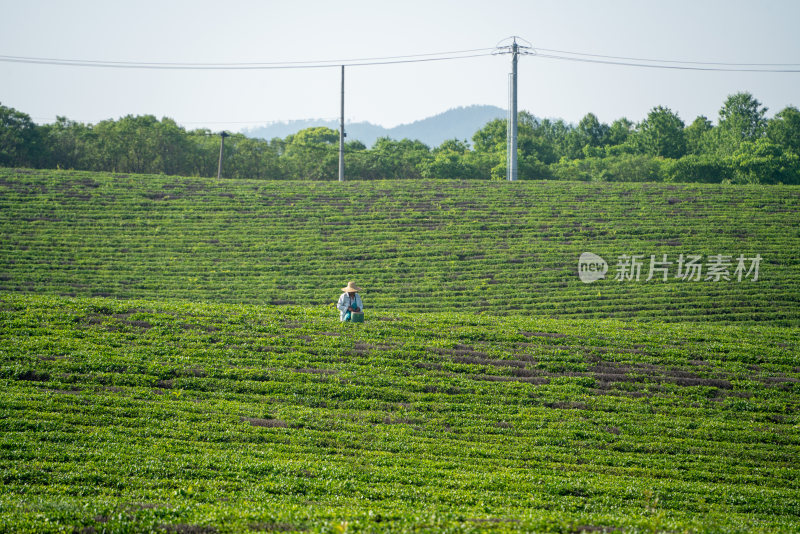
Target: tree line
{"points": [[744, 146]]}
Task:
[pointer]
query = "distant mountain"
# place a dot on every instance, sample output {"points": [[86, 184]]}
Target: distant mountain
{"points": [[457, 123]]}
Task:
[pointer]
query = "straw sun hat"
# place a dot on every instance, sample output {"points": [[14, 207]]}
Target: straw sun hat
{"points": [[351, 288]]}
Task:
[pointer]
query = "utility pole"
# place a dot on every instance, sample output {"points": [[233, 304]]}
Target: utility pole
{"points": [[342, 135], [512, 116], [515, 50], [222, 135]]}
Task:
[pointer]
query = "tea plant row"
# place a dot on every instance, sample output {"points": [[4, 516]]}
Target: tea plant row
{"points": [[497, 248], [130, 416]]}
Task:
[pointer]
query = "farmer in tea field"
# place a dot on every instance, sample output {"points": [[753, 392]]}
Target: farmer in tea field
{"points": [[349, 302]]}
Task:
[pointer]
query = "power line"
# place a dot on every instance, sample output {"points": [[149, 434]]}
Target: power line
{"points": [[695, 66], [670, 60], [502, 47], [362, 62], [335, 62], [562, 55]]}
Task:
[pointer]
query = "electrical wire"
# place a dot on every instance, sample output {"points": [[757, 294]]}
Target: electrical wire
{"points": [[562, 55], [669, 60], [693, 67], [358, 62]]}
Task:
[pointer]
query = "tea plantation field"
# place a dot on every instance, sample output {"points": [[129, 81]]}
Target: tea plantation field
{"points": [[171, 360], [482, 247], [172, 416]]}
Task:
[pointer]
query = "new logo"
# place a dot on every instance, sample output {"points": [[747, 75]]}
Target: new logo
{"points": [[591, 267]]}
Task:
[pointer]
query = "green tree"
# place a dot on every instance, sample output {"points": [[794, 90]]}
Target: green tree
{"points": [[171, 146], [584, 170], [704, 168], [122, 145], [533, 143], [556, 133], [312, 154], [358, 164], [492, 137], [743, 115], [741, 118], [620, 131], [204, 152], [538, 144], [622, 139], [633, 168], [784, 129], [20, 139], [67, 144], [400, 159], [316, 136], [594, 131], [139, 151], [661, 134], [763, 162], [251, 158], [696, 135], [591, 133], [449, 160]]}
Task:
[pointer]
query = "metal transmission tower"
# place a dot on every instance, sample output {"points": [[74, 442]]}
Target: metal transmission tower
{"points": [[515, 49]]}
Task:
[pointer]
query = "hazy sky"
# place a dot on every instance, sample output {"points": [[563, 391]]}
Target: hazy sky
{"points": [[234, 31]]}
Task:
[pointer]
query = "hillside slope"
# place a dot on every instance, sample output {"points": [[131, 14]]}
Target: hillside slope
{"points": [[458, 123], [483, 247], [124, 416]]}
